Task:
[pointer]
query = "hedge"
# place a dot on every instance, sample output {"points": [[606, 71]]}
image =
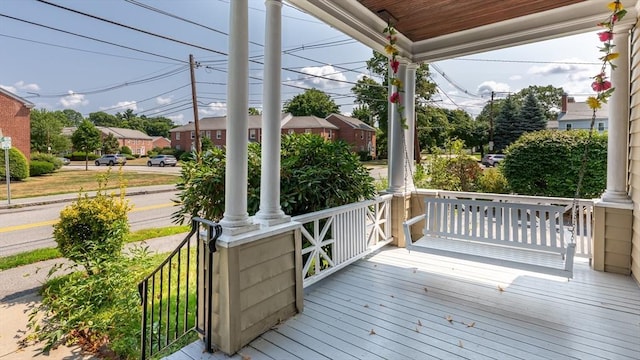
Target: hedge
{"points": [[18, 165], [37, 167]]}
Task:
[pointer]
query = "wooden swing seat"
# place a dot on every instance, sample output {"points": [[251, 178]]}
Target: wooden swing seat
{"points": [[523, 236]]}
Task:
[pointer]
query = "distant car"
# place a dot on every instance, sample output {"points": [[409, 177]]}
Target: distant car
{"points": [[162, 160], [111, 159], [492, 159], [64, 160]]}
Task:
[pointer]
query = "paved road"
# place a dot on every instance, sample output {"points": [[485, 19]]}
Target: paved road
{"points": [[28, 228]]}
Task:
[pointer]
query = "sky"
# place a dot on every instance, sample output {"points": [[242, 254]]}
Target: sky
{"points": [[60, 59]]}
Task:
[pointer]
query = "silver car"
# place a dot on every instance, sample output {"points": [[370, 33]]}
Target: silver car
{"points": [[110, 159], [492, 159], [162, 160]]}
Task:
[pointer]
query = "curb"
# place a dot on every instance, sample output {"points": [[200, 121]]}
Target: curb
{"points": [[71, 198]]}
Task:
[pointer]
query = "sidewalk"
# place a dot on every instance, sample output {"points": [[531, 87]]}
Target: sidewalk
{"points": [[60, 198], [18, 295]]}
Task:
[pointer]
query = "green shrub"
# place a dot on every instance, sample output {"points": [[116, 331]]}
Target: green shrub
{"points": [[129, 156], [187, 156], [364, 155], [547, 163], [18, 165], [126, 150], [455, 171], [92, 230], [55, 160], [79, 156], [492, 181], [315, 175], [38, 168]]}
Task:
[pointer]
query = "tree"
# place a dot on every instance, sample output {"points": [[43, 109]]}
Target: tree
{"points": [[548, 97], [532, 115], [110, 144], [86, 139], [46, 130], [158, 126], [254, 111], [311, 102], [101, 118], [74, 118], [507, 125], [364, 114], [374, 95]]}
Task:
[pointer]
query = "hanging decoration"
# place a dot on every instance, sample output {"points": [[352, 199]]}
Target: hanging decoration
{"points": [[392, 51]]}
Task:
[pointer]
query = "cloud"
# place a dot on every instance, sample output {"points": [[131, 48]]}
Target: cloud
{"points": [[26, 87], [177, 119], [515, 77], [486, 87], [213, 109], [566, 66], [73, 100], [9, 88], [163, 101], [327, 72]]}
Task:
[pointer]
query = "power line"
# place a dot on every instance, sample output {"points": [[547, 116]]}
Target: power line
{"points": [[90, 38], [527, 61]]}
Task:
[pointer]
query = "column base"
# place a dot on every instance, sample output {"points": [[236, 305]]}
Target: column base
{"points": [[239, 225], [616, 197], [270, 219]]}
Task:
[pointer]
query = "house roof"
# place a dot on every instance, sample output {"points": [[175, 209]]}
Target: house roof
{"points": [[435, 30], [28, 104], [220, 123], [121, 133], [307, 122], [582, 111], [353, 122]]}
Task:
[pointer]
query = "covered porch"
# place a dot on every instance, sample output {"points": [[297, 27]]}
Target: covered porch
{"points": [[367, 300], [399, 305]]}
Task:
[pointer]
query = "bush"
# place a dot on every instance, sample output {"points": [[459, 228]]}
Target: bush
{"points": [[492, 181], [188, 156], [57, 163], [38, 168], [364, 155], [126, 150], [547, 163], [92, 230], [455, 171], [79, 156], [18, 165], [315, 175]]}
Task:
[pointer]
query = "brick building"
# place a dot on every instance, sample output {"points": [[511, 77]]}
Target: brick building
{"points": [[310, 125], [361, 136], [15, 120], [160, 142], [139, 142]]}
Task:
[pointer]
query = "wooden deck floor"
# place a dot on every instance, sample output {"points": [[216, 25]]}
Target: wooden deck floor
{"points": [[400, 305]]}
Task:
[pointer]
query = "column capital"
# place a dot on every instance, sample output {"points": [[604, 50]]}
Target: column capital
{"points": [[413, 66], [273, 2]]}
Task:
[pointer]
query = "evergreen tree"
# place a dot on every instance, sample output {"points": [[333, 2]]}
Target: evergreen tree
{"points": [[507, 125], [532, 115]]}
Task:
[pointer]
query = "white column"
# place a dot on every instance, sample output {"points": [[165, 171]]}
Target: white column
{"points": [[618, 123], [270, 211], [235, 197], [395, 139], [410, 115]]}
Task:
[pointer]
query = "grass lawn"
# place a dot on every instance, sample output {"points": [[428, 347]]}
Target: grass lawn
{"points": [[71, 181]]}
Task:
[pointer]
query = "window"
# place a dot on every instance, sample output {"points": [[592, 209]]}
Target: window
{"points": [[252, 134], [600, 126], [361, 135], [291, 131], [177, 137], [218, 134], [208, 134], [178, 147], [193, 135], [568, 126], [330, 134], [307, 131]]}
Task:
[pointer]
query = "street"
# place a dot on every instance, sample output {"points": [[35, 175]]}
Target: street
{"points": [[29, 228]]}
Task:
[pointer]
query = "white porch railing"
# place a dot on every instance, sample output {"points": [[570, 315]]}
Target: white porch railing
{"points": [[334, 238], [583, 229]]}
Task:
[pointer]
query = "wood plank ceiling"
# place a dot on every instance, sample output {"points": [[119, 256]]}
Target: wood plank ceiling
{"points": [[425, 19]]}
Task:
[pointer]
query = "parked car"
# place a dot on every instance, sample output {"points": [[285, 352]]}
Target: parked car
{"points": [[111, 159], [492, 159], [162, 160], [64, 160]]}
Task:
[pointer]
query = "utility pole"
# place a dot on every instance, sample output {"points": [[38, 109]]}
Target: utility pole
{"points": [[196, 122], [491, 123]]}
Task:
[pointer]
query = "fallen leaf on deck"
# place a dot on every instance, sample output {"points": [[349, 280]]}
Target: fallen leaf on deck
{"points": [[372, 332], [245, 357], [426, 290], [460, 343], [500, 288], [382, 305], [449, 319], [417, 330], [472, 324], [419, 323], [392, 296], [366, 305]]}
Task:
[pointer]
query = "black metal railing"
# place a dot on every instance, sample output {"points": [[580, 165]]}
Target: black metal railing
{"points": [[170, 295]]}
